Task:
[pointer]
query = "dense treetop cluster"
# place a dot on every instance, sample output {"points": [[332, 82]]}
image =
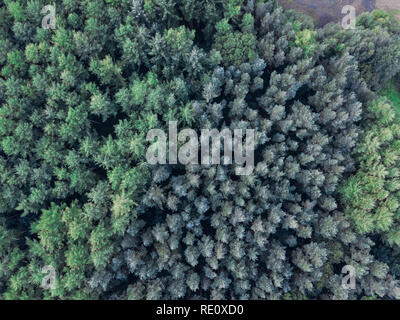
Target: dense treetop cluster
{"points": [[76, 191]]}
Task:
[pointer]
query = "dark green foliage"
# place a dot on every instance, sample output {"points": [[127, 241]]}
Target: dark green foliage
{"points": [[278, 228], [392, 92], [75, 105], [76, 191]]}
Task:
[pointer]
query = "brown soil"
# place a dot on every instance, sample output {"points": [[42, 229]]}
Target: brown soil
{"points": [[388, 4], [325, 11]]}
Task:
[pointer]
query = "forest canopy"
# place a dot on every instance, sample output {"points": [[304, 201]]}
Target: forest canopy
{"points": [[78, 194]]}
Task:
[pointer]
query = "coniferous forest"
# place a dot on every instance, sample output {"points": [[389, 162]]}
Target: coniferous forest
{"points": [[79, 197]]}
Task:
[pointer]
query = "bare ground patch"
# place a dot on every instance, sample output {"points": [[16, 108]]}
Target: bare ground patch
{"points": [[388, 4], [325, 11]]}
